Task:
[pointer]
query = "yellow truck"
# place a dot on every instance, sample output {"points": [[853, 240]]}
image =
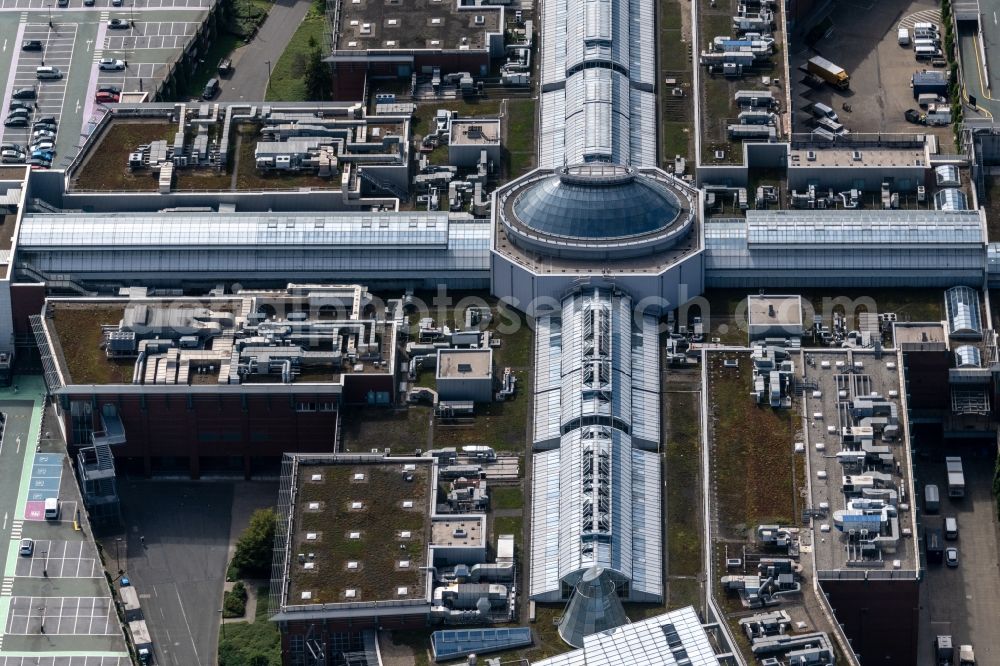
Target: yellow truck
{"points": [[833, 74]]}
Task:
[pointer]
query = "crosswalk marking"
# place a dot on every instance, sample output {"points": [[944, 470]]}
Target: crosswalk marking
{"points": [[925, 16]]}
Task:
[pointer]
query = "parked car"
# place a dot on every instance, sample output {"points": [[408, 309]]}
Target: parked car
{"points": [[43, 126], [27, 547], [63, 3], [211, 89], [46, 120], [45, 144], [16, 121], [43, 134], [119, 24], [17, 111], [25, 93], [114, 90], [111, 64], [11, 146], [43, 154], [951, 557], [12, 157], [48, 73], [32, 45], [88, 3], [106, 98], [226, 67], [39, 163], [17, 104]]}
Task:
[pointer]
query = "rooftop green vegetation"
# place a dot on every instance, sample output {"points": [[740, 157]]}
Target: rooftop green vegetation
{"points": [[378, 522], [80, 337]]}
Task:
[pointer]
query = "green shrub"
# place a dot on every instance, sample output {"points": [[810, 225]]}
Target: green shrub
{"points": [[234, 604]]}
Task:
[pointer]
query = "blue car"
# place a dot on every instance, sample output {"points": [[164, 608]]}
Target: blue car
{"points": [[42, 155]]}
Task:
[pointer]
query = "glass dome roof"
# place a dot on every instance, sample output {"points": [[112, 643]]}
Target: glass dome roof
{"points": [[597, 200]]}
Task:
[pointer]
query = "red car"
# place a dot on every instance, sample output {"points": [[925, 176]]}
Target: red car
{"points": [[104, 97]]}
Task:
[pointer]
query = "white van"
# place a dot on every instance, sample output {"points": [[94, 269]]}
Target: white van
{"points": [[821, 110], [926, 99], [52, 508], [48, 73], [951, 528], [921, 41], [926, 52], [925, 26], [903, 37]]}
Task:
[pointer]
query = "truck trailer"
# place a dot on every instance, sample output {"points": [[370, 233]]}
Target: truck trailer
{"points": [[833, 74], [944, 652], [141, 640], [956, 476]]}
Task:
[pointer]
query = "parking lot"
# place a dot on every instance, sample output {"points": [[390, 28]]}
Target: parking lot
{"points": [[60, 559], [62, 616], [50, 94], [962, 601], [863, 40], [157, 35], [77, 5], [41, 660], [78, 38], [134, 77]]}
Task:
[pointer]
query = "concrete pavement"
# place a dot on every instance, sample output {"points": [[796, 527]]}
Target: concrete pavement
{"points": [[249, 79]]}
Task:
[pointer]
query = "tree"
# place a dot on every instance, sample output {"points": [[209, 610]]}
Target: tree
{"points": [[317, 77], [254, 548]]}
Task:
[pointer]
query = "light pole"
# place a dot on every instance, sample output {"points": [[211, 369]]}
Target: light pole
{"points": [[45, 563], [49, 7], [118, 563], [268, 86], [222, 621]]}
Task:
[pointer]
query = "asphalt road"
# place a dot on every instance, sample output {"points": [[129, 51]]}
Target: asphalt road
{"points": [[179, 572], [975, 82], [962, 601], [249, 79]]}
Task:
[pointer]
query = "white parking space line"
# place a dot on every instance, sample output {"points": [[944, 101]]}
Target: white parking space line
{"points": [[75, 616], [57, 52], [59, 559], [11, 79], [118, 43]]}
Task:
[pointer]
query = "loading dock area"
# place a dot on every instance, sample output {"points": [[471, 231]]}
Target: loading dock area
{"points": [[863, 39]]}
